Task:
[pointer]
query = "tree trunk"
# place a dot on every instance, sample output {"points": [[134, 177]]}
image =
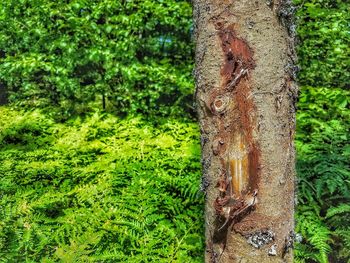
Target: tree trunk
{"points": [[246, 97]]}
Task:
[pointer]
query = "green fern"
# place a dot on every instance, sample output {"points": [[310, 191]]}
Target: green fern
{"points": [[101, 190], [324, 188], [341, 209], [315, 232]]}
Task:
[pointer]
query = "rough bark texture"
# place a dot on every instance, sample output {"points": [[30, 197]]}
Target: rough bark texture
{"points": [[246, 102]]}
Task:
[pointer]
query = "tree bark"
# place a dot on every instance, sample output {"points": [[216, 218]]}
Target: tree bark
{"points": [[246, 93]]}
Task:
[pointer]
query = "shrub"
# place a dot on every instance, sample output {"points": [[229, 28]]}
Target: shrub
{"points": [[324, 54], [129, 56]]}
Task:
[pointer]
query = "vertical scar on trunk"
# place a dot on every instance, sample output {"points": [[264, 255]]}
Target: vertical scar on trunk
{"points": [[238, 167], [233, 110]]}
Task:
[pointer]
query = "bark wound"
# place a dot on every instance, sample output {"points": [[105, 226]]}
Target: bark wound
{"points": [[233, 110], [249, 202]]}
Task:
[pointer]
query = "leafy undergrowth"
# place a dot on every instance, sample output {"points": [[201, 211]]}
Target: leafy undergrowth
{"points": [[323, 146], [99, 189], [102, 189]]}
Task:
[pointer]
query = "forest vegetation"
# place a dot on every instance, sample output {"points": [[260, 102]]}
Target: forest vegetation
{"points": [[99, 144]]}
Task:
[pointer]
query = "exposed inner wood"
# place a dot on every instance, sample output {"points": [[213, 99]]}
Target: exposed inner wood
{"points": [[239, 168]]}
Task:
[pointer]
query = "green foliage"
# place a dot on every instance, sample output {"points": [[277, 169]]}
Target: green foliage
{"points": [[324, 53], [323, 124], [323, 216], [103, 189], [68, 54], [99, 189]]}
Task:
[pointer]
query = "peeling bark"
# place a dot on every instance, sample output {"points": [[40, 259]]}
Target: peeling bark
{"points": [[245, 94]]}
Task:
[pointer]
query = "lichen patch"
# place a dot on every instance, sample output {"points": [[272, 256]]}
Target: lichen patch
{"points": [[261, 238]]}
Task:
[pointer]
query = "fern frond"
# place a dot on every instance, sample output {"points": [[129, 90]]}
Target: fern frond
{"points": [[341, 209], [316, 233]]}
